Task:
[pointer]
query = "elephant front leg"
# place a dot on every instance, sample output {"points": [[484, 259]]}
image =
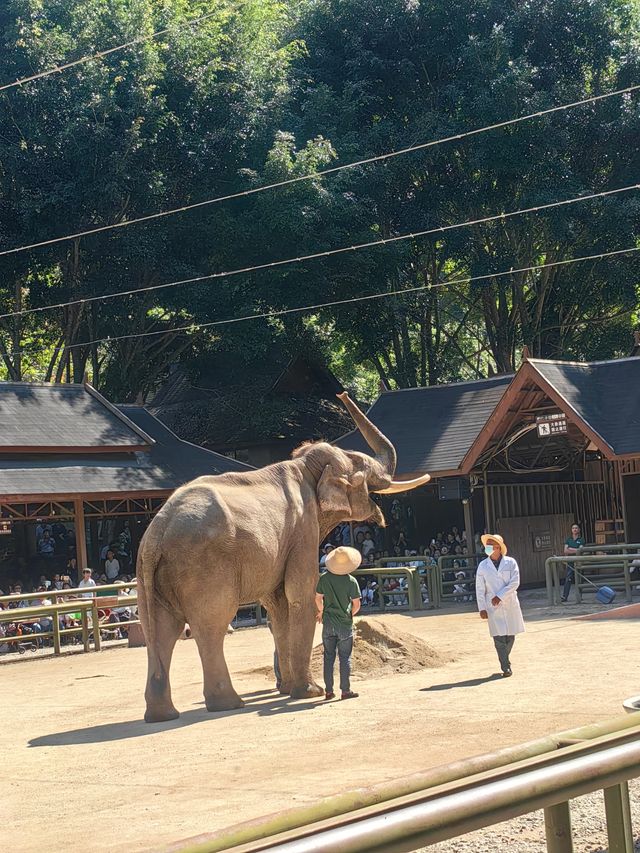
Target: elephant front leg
{"points": [[302, 622]]}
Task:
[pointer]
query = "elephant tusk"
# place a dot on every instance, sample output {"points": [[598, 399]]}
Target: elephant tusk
{"points": [[403, 485]]}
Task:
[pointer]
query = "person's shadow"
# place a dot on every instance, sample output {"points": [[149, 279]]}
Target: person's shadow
{"points": [[470, 682], [261, 702]]}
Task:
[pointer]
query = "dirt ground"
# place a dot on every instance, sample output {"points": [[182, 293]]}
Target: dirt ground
{"points": [[82, 771]]}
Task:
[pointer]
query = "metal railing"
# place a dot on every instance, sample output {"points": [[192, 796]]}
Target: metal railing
{"points": [[445, 583], [613, 570], [447, 802]]}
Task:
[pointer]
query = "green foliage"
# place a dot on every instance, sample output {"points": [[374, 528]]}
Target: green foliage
{"points": [[267, 90]]}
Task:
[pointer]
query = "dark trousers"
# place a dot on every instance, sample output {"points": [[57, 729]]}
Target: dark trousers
{"points": [[568, 581], [503, 646], [340, 640]]}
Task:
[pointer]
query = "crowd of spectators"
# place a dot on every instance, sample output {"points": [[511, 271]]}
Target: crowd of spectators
{"points": [[395, 548], [28, 632]]}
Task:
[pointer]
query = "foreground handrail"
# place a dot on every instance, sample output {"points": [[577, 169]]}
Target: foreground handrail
{"points": [[383, 792], [403, 828]]}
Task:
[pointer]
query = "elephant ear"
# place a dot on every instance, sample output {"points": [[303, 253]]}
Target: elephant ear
{"points": [[333, 492]]}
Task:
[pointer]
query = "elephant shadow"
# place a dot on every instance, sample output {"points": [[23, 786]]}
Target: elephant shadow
{"points": [[261, 702]]}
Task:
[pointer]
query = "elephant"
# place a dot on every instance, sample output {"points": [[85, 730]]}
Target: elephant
{"points": [[225, 540]]}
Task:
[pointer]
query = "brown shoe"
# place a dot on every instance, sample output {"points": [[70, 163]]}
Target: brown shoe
{"points": [[349, 695], [329, 695]]}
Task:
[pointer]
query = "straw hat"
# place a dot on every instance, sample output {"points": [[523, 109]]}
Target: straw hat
{"points": [[343, 560], [494, 539]]}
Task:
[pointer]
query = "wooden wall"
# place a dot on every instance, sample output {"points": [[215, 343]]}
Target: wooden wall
{"points": [[520, 535]]}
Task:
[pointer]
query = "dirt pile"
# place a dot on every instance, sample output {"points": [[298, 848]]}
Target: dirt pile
{"points": [[379, 649]]}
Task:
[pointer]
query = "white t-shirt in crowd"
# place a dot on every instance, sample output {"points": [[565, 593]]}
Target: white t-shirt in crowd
{"points": [[112, 569], [89, 582]]}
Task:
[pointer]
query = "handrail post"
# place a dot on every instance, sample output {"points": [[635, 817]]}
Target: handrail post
{"points": [[618, 811], [557, 828], [97, 639], [84, 618], [548, 574], [55, 621], [627, 581]]}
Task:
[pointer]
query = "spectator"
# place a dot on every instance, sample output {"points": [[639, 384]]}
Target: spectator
{"points": [[460, 591], [368, 545], [328, 548], [87, 583], [111, 567], [47, 545]]}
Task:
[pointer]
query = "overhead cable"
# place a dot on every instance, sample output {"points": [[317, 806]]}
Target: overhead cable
{"points": [[57, 69], [193, 327], [328, 253], [317, 174]]}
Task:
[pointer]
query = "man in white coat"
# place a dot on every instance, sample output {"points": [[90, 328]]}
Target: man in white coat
{"points": [[497, 581]]}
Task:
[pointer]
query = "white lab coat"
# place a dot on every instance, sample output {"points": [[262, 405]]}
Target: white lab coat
{"points": [[506, 618]]}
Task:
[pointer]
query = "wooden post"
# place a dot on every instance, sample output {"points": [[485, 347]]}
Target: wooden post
{"points": [[81, 537], [85, 628], [618, 812], [557, 826], [468, 524]]}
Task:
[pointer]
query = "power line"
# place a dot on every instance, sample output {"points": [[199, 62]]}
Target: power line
{"points": [[318, 174], [329, 252], [385, 294], [102, 53]]}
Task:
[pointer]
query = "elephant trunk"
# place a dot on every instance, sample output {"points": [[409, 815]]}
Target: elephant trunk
{"points": [[385, 452]]}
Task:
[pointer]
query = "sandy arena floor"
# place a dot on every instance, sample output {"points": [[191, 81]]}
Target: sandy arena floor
{"points": [[82, 772]]}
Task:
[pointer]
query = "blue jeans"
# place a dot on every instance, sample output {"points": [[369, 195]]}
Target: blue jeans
{"points": [[338, 639]]}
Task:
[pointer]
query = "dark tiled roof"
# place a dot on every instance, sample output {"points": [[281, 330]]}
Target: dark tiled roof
{"points": [[60, 416], [432, 428], [167, 464], [63, 475], [186, 460], [604, 394]]}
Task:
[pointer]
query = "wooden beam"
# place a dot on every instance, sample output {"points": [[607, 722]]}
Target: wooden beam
{"points": [[81, 538]]}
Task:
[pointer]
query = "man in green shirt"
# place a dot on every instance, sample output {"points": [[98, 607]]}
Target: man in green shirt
{"points": [[338, 601], [571, 546]]}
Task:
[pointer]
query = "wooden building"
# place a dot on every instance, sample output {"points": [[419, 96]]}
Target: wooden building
{"points": [[89, 471], [524, 455]]}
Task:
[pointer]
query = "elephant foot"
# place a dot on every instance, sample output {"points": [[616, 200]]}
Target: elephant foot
{"points": [[284, 689], [160, 715], [224, 703], [307, 691]]}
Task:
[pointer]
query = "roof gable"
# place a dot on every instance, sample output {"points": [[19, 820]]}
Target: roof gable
{"points": [[44, 418]]}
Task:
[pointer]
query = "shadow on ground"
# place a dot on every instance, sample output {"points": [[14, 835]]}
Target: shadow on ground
{"points": [[470, 682], [262, 702]]}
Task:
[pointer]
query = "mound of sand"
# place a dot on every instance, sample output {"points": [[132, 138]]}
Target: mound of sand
{"points": [[379, 649]]}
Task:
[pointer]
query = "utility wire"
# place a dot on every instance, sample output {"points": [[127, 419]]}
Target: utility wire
{"points": [[192, 327], [243, 193], [329, 252], [57, 69]]}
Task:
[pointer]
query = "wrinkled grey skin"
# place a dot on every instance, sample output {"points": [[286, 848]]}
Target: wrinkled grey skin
{"points": [[231, 539]]}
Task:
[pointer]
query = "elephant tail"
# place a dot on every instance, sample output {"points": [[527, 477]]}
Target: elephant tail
{"points": [[147, 563]]}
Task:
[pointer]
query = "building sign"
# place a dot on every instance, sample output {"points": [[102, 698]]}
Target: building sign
{"points": [[542, 541], [5, 526], [555, 424]]}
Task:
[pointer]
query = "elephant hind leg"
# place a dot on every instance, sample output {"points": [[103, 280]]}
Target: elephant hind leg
{"points": [[168, 628], [209, 633]]}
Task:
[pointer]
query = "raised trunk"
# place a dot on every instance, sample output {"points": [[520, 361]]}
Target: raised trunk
{"points": [[385, 451]]}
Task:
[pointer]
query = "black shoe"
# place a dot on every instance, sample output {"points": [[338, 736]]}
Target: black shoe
{"points": [[563, 599], [506, 673]]}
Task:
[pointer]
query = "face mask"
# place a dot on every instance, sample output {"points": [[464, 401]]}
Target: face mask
{"points": [[488, 550]]}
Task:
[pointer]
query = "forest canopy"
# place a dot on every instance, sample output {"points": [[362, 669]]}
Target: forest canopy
{"points": [[260, 91]]}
